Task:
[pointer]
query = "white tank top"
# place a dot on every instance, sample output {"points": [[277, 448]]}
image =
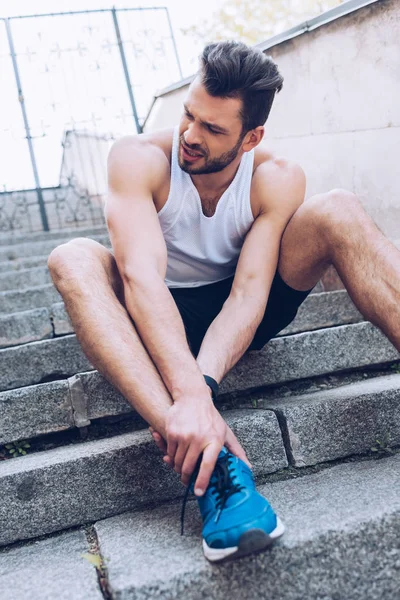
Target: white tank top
{"points": [[203, 250]]}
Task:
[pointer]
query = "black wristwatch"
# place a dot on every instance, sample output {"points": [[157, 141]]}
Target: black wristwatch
{"points": [[213, 385]]}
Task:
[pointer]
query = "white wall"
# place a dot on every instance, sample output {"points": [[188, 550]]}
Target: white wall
{"points": [[338, 114]]}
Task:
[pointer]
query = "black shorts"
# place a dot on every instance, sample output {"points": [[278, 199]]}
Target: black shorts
{"points": [[198, 307]]}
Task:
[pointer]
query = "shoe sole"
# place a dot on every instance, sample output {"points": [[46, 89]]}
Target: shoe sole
{"points": [[250, 542]]}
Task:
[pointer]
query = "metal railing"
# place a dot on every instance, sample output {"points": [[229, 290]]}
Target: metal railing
{"points": [[71, 83]]}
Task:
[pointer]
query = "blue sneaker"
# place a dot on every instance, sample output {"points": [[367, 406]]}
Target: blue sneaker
{"points": [[237, 520]]}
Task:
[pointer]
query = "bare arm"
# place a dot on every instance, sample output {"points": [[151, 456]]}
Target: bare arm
{"points": [[232, 331], [136, 170]]}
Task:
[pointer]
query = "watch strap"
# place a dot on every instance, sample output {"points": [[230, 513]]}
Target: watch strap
{"points": [[213, 385]]}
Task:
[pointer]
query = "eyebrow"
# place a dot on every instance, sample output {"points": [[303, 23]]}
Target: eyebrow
{"points": [[213, 125]]}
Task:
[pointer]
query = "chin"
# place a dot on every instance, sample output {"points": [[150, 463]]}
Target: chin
{"points": [[184, 166], [187, 167]]}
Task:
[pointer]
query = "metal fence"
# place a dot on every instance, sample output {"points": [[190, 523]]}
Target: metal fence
{"points": [[71, 83]]}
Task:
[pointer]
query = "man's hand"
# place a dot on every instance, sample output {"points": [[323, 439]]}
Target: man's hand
{"points": [[194, 428]]}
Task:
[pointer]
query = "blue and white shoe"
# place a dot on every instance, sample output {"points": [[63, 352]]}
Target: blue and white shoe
{"points": [[237, 520]]}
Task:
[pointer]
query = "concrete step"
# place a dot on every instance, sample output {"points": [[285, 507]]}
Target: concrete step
{"points": [[109, 476], [325, 309], [42, 361], [49, 569], [330, 424], [345, 545], [45, 408], [22, 300], [10, 266], [318, 311], [309, 354], [285, 358], [34, 325], [54, 489], [42, 247], [41, 236], [24, 327], [341, 541], [25, 278]]}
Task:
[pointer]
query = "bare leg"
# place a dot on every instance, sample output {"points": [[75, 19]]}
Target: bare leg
{"points": [[86, 275], [333, 228]]}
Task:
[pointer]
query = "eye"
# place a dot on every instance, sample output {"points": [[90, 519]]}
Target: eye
{"points": [[211, 130], [188, 115]]}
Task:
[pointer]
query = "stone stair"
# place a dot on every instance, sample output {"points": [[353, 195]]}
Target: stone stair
{"points": [[314, 410], [342, 528]]}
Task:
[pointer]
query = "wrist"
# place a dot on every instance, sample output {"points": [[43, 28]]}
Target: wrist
{"points": [[193, 394]]}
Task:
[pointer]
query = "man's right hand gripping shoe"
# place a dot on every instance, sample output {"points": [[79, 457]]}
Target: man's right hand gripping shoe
{"points": [[237, 520]]}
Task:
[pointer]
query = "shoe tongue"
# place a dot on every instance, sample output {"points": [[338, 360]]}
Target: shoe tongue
{"points": [[232, 499]]}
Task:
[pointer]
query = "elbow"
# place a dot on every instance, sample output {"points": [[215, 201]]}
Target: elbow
{"points": [[140, 276]]}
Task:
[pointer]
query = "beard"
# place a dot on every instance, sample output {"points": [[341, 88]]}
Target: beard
{"points": [[211, 165]]}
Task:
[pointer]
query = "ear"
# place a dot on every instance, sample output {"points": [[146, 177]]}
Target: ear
{"points": [[253, 138]]}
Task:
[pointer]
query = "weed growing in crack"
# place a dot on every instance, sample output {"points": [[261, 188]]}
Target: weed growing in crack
{"points": [[17, 448], [382, 446]]}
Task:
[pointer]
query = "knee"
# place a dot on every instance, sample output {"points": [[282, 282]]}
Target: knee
{"points": [[71, 260], [333, 211]]}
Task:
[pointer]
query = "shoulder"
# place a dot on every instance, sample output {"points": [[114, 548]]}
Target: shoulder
{"points": [[278, 183], [157, 141], [146, 156]]}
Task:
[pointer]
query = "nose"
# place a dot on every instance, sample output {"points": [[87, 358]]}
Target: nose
{"points": [[192, 135]]}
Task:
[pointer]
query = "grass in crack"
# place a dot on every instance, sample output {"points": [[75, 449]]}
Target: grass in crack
{"points": [[95, 559]]}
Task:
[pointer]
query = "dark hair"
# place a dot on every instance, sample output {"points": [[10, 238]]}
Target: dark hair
{"points": [[231, 69]]}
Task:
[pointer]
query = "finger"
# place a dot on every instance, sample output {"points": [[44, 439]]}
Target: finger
{"points": [[180, 456], [168, 461], [161, 443], [172, 447], [210, 455], [234, 446], [189, 464]]}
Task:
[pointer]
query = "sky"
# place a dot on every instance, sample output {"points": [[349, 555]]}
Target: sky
{"points": [[56, 87], [183, 13]]}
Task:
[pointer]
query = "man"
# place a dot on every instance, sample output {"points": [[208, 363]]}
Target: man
{"points": [[214, 252]]}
